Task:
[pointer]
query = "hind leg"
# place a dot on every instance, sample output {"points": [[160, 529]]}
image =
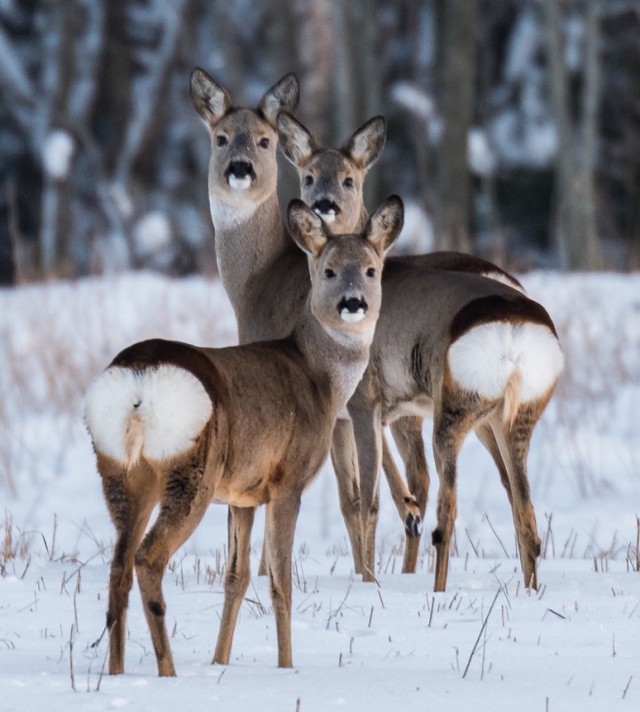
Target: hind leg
{"points": [[514, 447], [488, 439], [130, 516], [184, 502], [457, 413]]}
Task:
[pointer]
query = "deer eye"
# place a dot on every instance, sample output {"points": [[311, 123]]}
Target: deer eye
{"points": [[371, 272], [222, 140], [263, 143], [329, 274], [308, 180], [348, 182]]}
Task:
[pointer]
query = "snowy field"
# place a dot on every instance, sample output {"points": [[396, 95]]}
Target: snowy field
{"points": [[485, 644]]}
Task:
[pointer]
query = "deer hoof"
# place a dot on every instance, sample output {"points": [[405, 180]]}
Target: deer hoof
{"points": [[413, 525]]}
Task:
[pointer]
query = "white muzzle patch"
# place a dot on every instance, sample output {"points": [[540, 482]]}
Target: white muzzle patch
{"points": [[239, 183], [352, 317], [327, 217]]}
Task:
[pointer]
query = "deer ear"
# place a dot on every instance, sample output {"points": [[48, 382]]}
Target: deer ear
{"points": [[282, 96], [385, 224], [209, 99], [297, 143], [366, 144], [306, 228]]}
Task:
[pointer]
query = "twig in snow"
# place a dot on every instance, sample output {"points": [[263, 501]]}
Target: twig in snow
{"points": [[71, 673], [555, 613], [506, 553], [333, 614], [484, 625]]}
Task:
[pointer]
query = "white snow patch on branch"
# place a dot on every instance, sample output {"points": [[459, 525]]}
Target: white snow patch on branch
{"points": [[57, 151], [152, 233]]}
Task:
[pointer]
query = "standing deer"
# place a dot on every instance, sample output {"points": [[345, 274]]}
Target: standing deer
{"points": [[414, 383], [183, 426], [425, 312]]}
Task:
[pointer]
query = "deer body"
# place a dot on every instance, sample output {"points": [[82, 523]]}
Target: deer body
{"points": [[415, 366], [183, 426]]}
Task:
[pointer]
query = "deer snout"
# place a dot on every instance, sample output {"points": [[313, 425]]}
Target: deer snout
{"points": [[240, 174], [327, 209], [352, 309]]}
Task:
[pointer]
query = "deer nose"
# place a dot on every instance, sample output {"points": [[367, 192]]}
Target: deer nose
{"points": [[352, 309], [240, 169]]}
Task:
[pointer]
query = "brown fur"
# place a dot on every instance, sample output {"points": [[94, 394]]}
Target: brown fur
{"points": [[421, 300], [274, 408]]}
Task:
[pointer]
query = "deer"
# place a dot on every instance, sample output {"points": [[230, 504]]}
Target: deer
{"points": [[182, 426], [332, 183], [429, 317]]}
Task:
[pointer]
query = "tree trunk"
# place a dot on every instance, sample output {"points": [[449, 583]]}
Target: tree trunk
{"points": [[456, 101], [575, 219]]}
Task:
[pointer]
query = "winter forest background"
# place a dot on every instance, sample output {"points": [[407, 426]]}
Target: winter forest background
{"points": [[513, 125]]}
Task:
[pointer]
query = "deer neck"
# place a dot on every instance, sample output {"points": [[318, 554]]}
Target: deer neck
{"points": [[248, 239], [263, 272], [333, 356]]}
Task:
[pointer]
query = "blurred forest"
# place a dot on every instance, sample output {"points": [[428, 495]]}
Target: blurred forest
{"points": [[513, 125]]}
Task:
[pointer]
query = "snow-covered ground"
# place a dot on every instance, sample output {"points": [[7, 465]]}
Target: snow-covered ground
{"points": [[571, 646]]}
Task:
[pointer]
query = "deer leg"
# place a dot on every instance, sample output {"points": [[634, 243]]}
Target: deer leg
{"points": [[130, 516], [514, 446], [240, 522], [367, 427], [344, 457], [281, 523], [407, 434], [458, 412], [184, 502], [488, 439], [264, 557]]}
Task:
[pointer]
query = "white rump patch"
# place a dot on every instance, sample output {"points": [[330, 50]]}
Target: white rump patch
{"points": [[483, 359], [352, 317], [239, 183], [169, 402]]}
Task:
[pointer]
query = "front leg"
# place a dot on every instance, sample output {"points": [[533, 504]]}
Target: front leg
{"points": [[367, 427], [240, 523], [282, 515], [344, 457]]}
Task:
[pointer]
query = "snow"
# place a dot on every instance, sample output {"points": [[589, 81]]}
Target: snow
{"points": [[152, 233], [57, 153], [481, 158], [571, 646]]}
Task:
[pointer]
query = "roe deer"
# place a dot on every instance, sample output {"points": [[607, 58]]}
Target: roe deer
{"points": [[410, 373], [418, 343], [182, 426]]}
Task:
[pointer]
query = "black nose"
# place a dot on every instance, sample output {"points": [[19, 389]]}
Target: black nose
{"points": [[240, 169], [325, 206], [353, 305]]}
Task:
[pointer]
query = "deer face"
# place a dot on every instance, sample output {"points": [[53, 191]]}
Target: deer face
{"points": [[332, 180], [243, 168], [331, 184], [346, 270]]}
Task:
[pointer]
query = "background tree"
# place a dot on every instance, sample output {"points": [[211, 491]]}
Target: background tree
{"points": [[504, 119], [458, 70]]}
